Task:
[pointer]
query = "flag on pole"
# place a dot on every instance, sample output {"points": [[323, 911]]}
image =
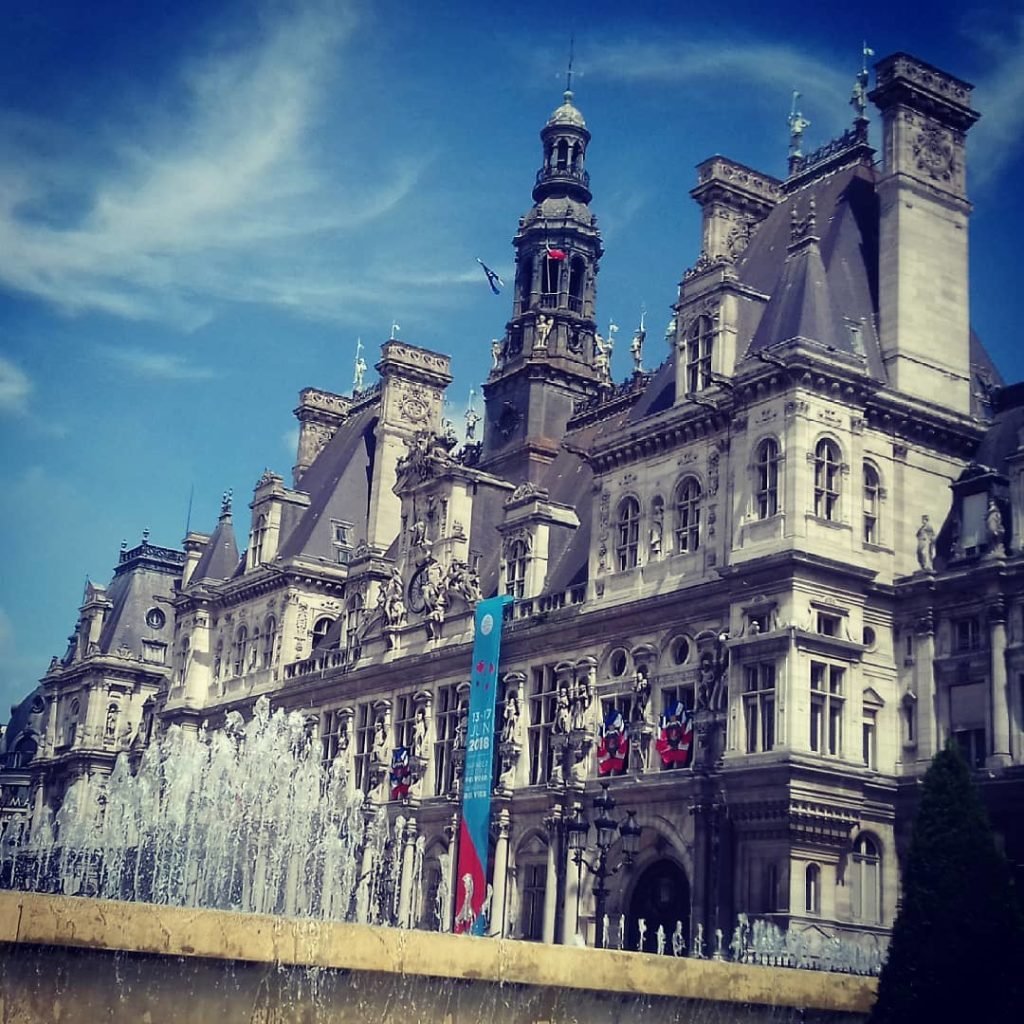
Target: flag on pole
{"points": [[493, 280], [554, 254]]}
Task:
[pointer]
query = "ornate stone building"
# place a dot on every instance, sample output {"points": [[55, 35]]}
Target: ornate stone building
{"points": [[755, 589]]}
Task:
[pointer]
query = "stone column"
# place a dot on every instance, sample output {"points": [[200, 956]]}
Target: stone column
{"points": [[554, 823], [408, 870], [999, 697], [929, 733], [570, 906], [499, 896], [366, 865]]}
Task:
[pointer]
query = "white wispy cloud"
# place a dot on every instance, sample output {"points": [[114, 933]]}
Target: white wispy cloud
{"points": [[776, 65], [154, 365], [15, 387], [999, 94], [181, 205]]}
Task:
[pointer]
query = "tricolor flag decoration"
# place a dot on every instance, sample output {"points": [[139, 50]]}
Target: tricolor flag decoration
{"points": [[478, 772], [675, 738], [554, 254], [401, 774], [493, 280], [613, 749]]}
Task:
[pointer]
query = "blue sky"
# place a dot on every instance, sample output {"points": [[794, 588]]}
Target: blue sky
{"points": [[204, 205]]}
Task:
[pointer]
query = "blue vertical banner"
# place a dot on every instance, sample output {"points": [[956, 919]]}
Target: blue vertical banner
{"points": [[478, 771]]}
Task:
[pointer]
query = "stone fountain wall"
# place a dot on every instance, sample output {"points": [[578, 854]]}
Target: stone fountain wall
{"points": [[77, 960]]}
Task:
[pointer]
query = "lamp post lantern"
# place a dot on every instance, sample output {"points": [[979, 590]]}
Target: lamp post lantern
{"points": [[578, 830]]}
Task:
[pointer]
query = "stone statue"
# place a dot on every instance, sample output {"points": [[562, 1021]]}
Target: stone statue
{"points": [[110, 728], [994, 526], [510, 723], [657, 530], [641, 695], [495, 354], [636, 350], [582, 699], [392, 601], [419, 534], [472, 419], [660, 935], [544, 325], [380, 751], [561, 724], [464, 582], [602, 360], [419, 733], [678, 942], [434, 600], [360, 373], [641, 927], [925, 544]]}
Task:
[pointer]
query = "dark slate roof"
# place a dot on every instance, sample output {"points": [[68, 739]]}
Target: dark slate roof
{"points": [[660, 393], [132, 594], [846, 216], [338, 484], [219, 559], [488, 509], [1001, 438], [801, 305], [28, 717]]}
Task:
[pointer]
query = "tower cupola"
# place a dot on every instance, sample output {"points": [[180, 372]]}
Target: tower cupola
{"points": [[551, 356]]}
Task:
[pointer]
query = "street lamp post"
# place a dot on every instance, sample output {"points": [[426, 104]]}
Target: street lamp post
{"points": [[578, 830]]}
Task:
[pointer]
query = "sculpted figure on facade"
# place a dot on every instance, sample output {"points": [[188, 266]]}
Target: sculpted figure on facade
{"points": [[563, 720], [510, 722], [392, 601], [925, 544], [463, 582], [641, 695], [995, 529], [544, 325], [419, 733]]}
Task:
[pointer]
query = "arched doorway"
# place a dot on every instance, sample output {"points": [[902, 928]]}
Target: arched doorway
{"points": [[661, 897]]}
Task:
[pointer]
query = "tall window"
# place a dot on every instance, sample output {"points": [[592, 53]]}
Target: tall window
{"points": [[577, 275], [767, 468], [869, 737], [531, 918], [699, 345], [446, 717], [525, 282], [542, 717], [688, 515], [241, 640], [515, 569], [259, 537], [628, 545], [967, 634], [827, 701], [330, 733], [254, 647], [364, 742], [269, 634], [812, 889], [759, 706], [826, 480], [866, 880], [872, 497]]}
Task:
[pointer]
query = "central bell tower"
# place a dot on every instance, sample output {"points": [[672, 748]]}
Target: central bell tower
{"points": [[551, 355]]}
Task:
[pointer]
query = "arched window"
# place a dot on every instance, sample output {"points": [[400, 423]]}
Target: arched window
{"points": [[563, 154], [812, 889], [74, 710], [628, 545], [525, 282], [320, 630], [254, 647], [515, 569], [699, 345], [872, 499], [826, 480], [688, 515], [269, 632], [549, 279], [241, 637], [767, 469], [184, 653], [577, 275], [259, 536], [866, 880]]}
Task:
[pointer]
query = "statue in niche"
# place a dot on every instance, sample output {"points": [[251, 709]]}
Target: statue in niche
{"points": [[562, 713], [419, 733], [496, 354], [925, 544], [641, 695], [657, 529], [995, 528], [110, 727], [510, 723], [582, 700], [380, 751], [419, 534], [433, 600], [392, 601], [544, 325]]}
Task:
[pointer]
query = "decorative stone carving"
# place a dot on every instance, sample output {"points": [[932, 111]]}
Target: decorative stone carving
{"points": [[925, 544]]}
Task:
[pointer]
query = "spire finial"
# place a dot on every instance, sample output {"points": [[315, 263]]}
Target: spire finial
{"points": [[359, 367], [568, 70], [859, 98]]}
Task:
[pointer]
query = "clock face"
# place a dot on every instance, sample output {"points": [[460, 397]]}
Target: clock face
{"points": [[416, 602]]}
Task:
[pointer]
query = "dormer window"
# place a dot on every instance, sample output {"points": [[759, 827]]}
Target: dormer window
{"points": [[259, 537], [341, 535], [515, 569], [697, 353]]}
